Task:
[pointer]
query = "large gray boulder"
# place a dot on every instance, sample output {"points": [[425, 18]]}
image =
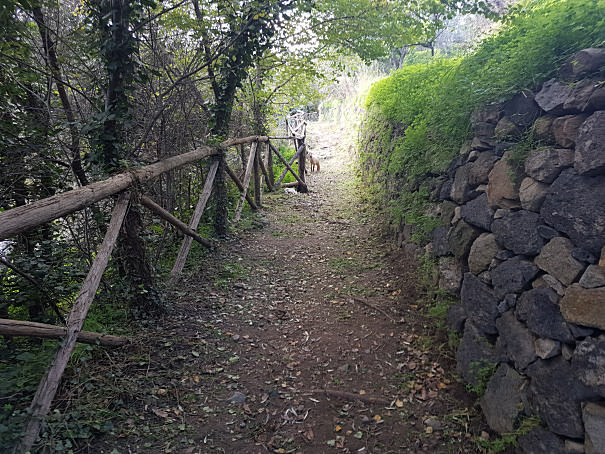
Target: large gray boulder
{"points": [[588, 361], [590, 146], [518, 232], [588, 96], [558, 98], [441, 246], [516, 342], [593, 415], [482, 253], [513, 276], [484, 129], [461, 238], [556, 395], [565, 129], [480, 168], [522, 109], [584, 306], [552, 97], [462, 190], [555, 258], [575, 205], [477, 212], [504, 181], [541, 441], [507, 130], [480, 304], [456, 317], [474, 355], [582, 64], [505, 400], [593, 277], [450, 274], [543, 130], [532, 194], [547, 348], [447, 210], [490, 113], [545, 164], [539, 309]]}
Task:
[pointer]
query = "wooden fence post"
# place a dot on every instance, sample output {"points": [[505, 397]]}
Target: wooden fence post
{"points": [[302, 164], [257, 179], [179, 263], [265, 172], [269, 165], [50, 382], [246, 183]]}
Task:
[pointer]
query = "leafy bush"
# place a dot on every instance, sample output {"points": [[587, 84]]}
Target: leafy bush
{"points": [[418, 118]]}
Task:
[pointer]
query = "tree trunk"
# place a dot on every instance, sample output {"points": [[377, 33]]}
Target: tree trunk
{"points": [[53, 64]]}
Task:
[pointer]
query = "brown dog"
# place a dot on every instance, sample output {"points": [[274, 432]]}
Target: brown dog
{"points": [[314, 162]]}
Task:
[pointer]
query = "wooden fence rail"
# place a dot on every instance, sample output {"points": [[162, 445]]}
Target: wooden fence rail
{"points": [[22, 218]]}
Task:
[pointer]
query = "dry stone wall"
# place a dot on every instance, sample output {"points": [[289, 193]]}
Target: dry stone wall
{"points": [[523, 244]]}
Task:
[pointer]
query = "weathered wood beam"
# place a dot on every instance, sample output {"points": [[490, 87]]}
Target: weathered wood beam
{"points": [[161, 212], [302, 161], [240, 186], [233, 142], [263, 169], [181, 258], [256, 174], [246, 183], [50, 382], [33, 329], [281, 138], [269, 164], [22, 218]]}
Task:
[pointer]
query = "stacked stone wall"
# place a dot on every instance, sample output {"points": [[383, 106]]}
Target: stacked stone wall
{"points": [[523, 245]]}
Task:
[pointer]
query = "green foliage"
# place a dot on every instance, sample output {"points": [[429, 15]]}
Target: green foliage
{"points": [[483, 371], [536, 38], [22, 365], [509, 440], [418, 118], [359, 26]]}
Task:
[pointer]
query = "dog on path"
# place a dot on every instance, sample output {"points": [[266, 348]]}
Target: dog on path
{"points": [[314, 162]]}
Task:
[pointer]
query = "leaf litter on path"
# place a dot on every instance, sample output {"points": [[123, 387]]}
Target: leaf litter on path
{"points": [[305, 336]]}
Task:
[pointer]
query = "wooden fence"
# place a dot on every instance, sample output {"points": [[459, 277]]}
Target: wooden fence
{"points": [[17, 220]]}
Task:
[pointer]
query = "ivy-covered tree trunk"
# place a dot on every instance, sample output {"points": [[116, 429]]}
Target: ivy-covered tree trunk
{"points": [[250, 33], [115, 19]]}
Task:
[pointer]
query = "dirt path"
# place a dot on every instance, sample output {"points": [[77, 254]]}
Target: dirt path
{"points": [[303, 335]]}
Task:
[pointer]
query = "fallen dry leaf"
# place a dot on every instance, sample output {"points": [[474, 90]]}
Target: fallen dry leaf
{"points": [[160, 413]]}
